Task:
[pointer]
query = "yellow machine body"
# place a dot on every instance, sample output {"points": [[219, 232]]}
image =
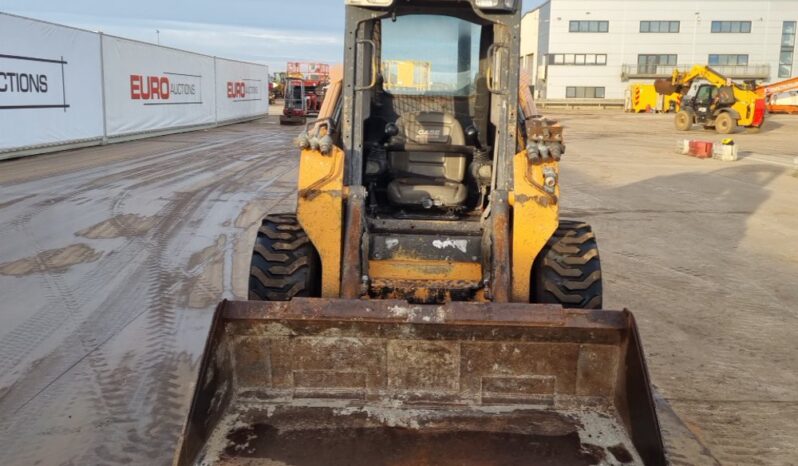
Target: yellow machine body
{"points": [[644, 98], [320, 209], [425, 304]]}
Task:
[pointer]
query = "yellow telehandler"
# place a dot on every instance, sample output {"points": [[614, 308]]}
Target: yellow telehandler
{"points": [[718, 103], [425, 304], [405, 74]]}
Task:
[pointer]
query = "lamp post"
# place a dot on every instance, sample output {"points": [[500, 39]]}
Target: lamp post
{"points": [[158, 37], [695, 33]]}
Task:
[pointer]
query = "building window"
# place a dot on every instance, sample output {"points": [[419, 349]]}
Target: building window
{"points": [[787, 49], [659, 26], [723, 59], [649, 63], [731, 26], [528, 64], [581, 59], [581, 92], [589, 26]]}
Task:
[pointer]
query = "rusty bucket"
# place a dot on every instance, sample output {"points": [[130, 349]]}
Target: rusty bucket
{"points": [[358, 382]]}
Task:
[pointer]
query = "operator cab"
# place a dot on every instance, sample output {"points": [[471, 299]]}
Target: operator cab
{"points": [[428, 134], [707, 101], [704, 100], [705, 94]]}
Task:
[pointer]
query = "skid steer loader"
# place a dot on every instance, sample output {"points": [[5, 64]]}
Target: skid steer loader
{"points": [[425, 305]]}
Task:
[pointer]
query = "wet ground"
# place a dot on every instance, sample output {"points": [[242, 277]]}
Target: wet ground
{"points": [[112, 258], [111, 262]]}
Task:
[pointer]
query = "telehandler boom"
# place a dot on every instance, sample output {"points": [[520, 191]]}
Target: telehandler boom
{"points": [[773, 91]]}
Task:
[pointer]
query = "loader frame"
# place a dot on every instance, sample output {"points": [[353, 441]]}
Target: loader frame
{"points": [[523, 214], [369, 322]]}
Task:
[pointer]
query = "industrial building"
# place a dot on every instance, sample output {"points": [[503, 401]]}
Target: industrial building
{"points": [[583, 49]]}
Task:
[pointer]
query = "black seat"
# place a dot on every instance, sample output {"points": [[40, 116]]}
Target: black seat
{"points": [[428, 178]]}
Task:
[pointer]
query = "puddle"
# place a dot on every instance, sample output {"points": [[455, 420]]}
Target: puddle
{"points": [[120, 226], [52, 260]]}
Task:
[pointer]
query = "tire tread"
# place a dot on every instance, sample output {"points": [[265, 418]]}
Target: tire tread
{"points": [[568, 269], [284, 262]]}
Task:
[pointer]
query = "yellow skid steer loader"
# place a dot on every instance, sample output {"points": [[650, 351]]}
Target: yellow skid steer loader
{"points": [[425, 304]]}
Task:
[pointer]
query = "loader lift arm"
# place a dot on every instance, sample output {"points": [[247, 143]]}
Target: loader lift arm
{"points": [[681, 82]]}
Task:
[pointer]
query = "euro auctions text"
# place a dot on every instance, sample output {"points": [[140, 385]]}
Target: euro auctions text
{"points": [[160, 87]]}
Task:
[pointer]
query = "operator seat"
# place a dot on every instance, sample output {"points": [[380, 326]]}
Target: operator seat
{"points": [[423, 178]]}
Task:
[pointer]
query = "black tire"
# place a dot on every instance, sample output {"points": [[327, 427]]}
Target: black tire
{"points": [[684, 120], [284, 262], [568, 269], [725, 123], [292, 121]]}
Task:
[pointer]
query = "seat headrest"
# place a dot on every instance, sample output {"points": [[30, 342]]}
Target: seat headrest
{"points": [[430, 128]]}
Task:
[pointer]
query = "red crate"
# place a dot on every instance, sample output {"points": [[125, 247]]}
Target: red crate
{"points": [[701, 149]]}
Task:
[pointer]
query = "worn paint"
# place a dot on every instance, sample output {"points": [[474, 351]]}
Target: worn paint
{"points": [[427, 291], [460, 244], [535, 218], [351, 266], [501, 259], [410, 269], [320, 211]]}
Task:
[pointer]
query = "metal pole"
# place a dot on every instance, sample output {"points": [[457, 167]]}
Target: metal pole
{"points": [[695, 32], [463, 78], [103, 90], [216, 84]]}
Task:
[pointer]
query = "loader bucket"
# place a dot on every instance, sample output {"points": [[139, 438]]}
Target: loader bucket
{"points": [[356, 382], [665, 87]]}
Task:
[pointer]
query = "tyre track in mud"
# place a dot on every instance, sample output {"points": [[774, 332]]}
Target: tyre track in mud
{"points": [[180, 206], [158, 370], [166, 415], [14, 347], [161, 324]]}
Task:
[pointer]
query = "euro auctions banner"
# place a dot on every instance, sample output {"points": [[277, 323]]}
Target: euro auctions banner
{"points": [[150, 88], [242, 90], [50, 84]]}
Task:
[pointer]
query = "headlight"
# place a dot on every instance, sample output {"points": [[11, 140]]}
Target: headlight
{"points": [[505, 5], [372, 3]]}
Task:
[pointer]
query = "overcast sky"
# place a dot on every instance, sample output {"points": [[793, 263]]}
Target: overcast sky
{"points": [[264, 31]]}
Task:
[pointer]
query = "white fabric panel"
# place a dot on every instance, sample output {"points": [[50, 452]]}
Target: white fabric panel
{"points": [[242, 90], [50, 84], [155, 88]]}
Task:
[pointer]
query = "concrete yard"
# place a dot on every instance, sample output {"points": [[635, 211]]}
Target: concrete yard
{"points": [[112, 259]]}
